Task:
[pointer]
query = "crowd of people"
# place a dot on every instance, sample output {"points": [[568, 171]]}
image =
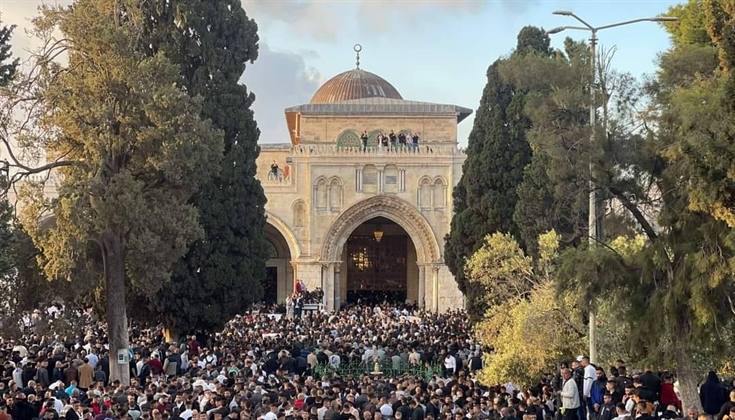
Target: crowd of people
{"points": [[393, 140], [264, 367]]}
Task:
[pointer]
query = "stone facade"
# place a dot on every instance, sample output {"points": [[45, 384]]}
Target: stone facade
{"points": [[323, 189]]}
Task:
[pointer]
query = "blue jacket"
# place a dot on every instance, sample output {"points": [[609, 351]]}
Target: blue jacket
{"points": [[598, 390]]}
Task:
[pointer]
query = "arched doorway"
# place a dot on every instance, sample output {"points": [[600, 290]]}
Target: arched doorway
{"points": [[379, 264], [278, 281], [406, 216]]}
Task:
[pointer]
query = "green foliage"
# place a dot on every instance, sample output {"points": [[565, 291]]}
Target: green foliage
{"points": [[7, 248], [704, 150], [7, 68], [135, 150], [670, 279], [220, 274], [690, 29], [531, 328], [553, 196], [485, 199], [499, 270]]}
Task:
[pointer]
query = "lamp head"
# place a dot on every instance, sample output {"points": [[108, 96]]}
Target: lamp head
{"points": [[378, 234], [563, 13], [555, 30], [665, 19]]}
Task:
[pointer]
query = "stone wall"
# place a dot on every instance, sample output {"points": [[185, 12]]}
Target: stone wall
{"points": [[327, 182]]}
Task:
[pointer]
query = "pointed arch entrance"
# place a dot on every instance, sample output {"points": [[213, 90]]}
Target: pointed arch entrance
{"points": [[361, 218], [283, 249]]}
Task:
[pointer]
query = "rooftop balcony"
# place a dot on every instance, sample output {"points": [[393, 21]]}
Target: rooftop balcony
{"points": [[427, 149], [285, 157]]}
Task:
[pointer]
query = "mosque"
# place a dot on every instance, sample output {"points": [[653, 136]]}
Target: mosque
{"points": [[355, 206], [355, 209]]}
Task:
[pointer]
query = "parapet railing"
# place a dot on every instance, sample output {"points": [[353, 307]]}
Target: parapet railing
{"points": [[334, 150]]}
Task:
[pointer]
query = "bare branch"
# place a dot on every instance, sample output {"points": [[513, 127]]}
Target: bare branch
{"points": [[635, 212]]}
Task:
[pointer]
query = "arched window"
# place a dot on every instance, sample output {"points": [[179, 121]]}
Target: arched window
{"points": [[373, 138], [439, 193], [370, 179], [335, 194], [425, 193], [391, 179], [349, 138], [299, 214], [321, 193]]}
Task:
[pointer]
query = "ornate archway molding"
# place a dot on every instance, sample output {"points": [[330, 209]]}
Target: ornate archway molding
{"points": [[288, 235], [395, 209]]}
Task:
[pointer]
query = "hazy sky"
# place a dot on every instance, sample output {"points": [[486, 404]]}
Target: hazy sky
{"points": [[430, 50]]}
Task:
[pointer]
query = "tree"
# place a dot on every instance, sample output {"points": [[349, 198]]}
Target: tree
{"points": [[7, 72], [7, 249], [130, 149], [7, 68], [705, 150], [497, 153], [677, 284], [220, 275], [532, 328]]}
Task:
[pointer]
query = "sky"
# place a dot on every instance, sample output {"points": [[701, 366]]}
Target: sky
{"points": [[430, 50]]}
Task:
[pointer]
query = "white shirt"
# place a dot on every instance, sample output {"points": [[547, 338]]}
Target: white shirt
{"points": [[450, 362], [570, 394], [629, 405]]}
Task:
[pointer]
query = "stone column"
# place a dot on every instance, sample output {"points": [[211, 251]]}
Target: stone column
{"points": [[381, 169], [435, 282], [337, 285], [294, 276], [358, 178], [328, 286], [422, 285]]}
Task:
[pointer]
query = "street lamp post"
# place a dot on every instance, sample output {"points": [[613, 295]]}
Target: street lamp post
{"points": [[593, 226]]}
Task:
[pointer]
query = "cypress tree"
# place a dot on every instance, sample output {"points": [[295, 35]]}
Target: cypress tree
{"points": [[7, 67], [213, 41], [497, 153]]}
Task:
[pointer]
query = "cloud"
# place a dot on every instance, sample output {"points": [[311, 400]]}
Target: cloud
{"points": [[20, 13], [279, 79], [325, 20]]}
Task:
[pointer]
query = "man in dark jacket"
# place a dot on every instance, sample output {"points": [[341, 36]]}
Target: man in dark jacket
{"points": [[145, 371], [22, 409], [651, 381], [42, 375], [417, 412], [643, 391], [607, 409], [712, 394]]}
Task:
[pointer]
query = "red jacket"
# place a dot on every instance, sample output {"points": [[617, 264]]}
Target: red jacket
{"points": [[156, 366], [668, 396]]}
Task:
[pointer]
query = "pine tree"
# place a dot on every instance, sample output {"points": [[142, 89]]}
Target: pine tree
{"points": [[220, 275], [7, 68], [497, 153], [7, 71], [135, 149]]}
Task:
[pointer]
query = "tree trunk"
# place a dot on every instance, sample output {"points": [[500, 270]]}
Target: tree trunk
{"points": [[686, 373], [117, 318]]}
